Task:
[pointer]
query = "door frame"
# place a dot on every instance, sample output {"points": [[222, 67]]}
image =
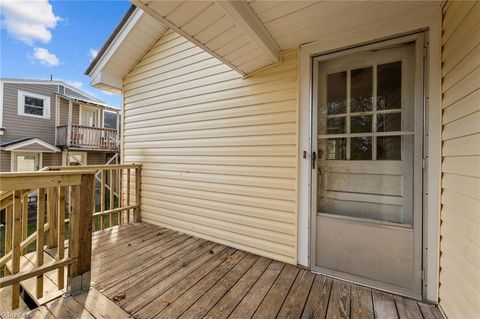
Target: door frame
{"points": [[430, 24], [418, 172]]}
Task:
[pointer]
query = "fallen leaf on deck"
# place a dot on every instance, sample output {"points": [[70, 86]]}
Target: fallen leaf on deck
{"points": [[119, 296]]}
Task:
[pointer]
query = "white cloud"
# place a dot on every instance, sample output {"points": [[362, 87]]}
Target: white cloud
{"points": [[28, 21], [45, 57], [107, 93], [76, 84], [93, 53]]}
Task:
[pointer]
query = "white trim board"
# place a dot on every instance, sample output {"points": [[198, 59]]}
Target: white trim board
{"points": [[14, 154], [431, 21], [21, 104], [16, 146], [48, 82]]}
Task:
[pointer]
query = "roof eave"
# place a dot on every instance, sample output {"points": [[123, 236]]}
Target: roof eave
{"points": [[110, 39]]}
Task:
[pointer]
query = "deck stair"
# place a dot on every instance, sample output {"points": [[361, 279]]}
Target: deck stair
{"points": [[5, 301], [51, 291]]}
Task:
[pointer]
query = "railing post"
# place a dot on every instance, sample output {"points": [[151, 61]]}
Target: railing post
{"points": [[69, 123], [137, 214], [52, 193], [81, 235]]}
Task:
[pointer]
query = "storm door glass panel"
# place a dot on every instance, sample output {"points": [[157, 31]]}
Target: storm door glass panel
{"points": [[361, 154], [361, 124], [337, 93], [336, 125], [389, 86], [389, 148], [361, 148], [389, 122], [361, 90], [336, 149]]}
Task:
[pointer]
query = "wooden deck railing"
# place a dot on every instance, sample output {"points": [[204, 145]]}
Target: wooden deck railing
{"points": [[53, 190], [65, 196], [119, 193], [77, 136]]}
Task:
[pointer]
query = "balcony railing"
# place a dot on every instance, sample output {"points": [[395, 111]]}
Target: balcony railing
{"points": [[86, 137], [56, 257]]}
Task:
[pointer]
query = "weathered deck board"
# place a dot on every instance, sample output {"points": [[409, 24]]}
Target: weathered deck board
{"points": [[274, 299], [297, 297], [339, 305], [361, 303], [160, 273], [317, 303]]}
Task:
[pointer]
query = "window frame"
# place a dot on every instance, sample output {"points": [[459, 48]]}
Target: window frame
{"points": [[84, 156], [103, 118], [83, 108], [21, 104], [15, 154]]}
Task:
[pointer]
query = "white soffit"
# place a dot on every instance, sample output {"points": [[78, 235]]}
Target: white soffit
{"points": [[121, 54], [293, 23], [229, 30]]}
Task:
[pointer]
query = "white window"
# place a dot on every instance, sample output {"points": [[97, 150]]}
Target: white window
{"points": [[77, 158], [110, 119], [34, 105], [88, 117], [26, 162]]}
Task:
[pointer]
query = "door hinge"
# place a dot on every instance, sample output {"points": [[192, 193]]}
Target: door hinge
{"points": [[314, 159], [425, 52]]}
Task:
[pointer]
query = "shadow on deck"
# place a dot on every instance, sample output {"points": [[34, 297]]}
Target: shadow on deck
{"points": [[154, 272]]}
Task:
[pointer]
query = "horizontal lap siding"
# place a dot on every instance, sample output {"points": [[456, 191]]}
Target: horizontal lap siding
{"points": [[218, 151], [20, 126], [460, 215]]}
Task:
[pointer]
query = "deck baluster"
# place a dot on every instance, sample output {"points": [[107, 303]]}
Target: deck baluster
{"points": [[40, 238]]}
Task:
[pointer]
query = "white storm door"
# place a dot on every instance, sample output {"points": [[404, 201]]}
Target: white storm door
{"points": [[368, 129]]}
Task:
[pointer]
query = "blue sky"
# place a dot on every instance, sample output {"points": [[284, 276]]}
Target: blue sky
{"points": [[58, 38]]}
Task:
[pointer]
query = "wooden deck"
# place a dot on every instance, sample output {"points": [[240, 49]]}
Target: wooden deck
{"points": [[154, 272]]}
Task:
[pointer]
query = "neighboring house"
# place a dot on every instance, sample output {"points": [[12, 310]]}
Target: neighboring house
{"points": [[341, 136], [48, 123]]}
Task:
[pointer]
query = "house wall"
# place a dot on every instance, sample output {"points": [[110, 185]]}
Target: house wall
{"points": [[51, 159], [460, 214], [219, 152], [63, 119], [5, 161], [96, 158], [19, 126]]}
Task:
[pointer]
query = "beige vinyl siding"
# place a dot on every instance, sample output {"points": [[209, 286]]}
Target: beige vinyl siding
{"points": [[460, 215], [218, 151]]}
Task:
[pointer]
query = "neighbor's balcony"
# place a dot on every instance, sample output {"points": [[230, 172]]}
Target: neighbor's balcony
{"points": [[86, 137]]}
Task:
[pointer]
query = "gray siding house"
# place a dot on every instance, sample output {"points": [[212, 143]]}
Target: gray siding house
{"points": [[46, 123]]}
